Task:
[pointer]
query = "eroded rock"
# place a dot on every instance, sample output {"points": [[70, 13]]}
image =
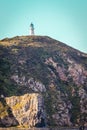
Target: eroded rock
{"points": [[27, 110]]}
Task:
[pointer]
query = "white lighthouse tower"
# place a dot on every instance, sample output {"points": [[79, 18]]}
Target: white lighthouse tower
{"points": [[31, 29]]}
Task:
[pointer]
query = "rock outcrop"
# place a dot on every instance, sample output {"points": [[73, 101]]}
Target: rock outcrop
{"points": [[6, 115], [36, 86], [27, 111]]}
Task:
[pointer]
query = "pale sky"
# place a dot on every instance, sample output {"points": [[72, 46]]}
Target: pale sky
{"points": [[63, 20]]}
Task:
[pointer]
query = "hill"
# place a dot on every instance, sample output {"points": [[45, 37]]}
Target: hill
{"points": [[47, 67]]}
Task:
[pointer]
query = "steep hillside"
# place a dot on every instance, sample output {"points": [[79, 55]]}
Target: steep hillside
{"points": [[42, 65]]}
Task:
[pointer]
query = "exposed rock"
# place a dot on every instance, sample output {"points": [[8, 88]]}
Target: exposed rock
{"points": [[8, 121], [77, 72], [83, 100], [59, 70], [36, 86], [28, 110]]}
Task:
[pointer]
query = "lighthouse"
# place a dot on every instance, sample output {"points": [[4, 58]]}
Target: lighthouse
{"points": [[31, 29]]}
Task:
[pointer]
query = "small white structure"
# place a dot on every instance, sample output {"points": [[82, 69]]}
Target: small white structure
{"points": [[31, 29]]}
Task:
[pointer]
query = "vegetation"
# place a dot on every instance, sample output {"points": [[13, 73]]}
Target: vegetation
{"points": [[39, 57]]}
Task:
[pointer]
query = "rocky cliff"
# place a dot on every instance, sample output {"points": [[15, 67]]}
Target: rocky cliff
{"points": [[44, 82], [26, 111]]}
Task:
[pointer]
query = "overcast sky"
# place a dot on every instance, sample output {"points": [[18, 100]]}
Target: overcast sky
{"points": [[64, 20]]}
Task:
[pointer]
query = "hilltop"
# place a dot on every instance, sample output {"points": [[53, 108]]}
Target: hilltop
{"points": [[43, 66]]}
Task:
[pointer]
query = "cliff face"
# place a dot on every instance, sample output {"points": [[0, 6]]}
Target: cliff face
{"points": [[44, 80], [27, 111]]}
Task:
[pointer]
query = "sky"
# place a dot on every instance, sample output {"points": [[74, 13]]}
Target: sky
{"points": [[63, 20]]}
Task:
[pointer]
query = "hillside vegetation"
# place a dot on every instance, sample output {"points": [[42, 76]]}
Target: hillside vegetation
{"points": [[40, 64]]}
